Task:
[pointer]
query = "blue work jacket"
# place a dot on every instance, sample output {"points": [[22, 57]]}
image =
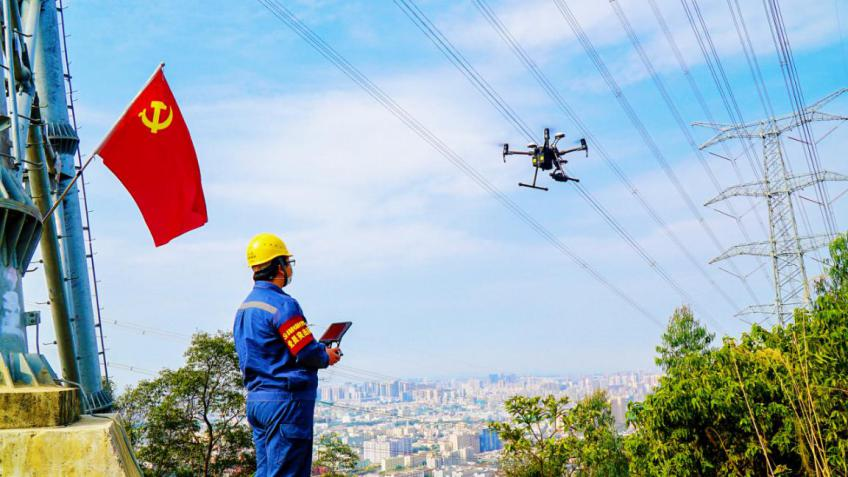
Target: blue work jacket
{"points": [[276, 350]]}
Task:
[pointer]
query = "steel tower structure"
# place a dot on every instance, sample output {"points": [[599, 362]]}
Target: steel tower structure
{"points": [[45, 428], [37, 147], [785, 246]]}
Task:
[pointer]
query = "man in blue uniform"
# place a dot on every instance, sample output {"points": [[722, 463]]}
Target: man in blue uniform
{"points": [[279, 358]]}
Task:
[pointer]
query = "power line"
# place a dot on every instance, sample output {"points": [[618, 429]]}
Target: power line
{"points": [[841, 27], [366, 377], [597, 146], [744, 37], [341, 370], [719, 76], [711, 57], [717, 72], [147, 330], [290, 20], [741, 28], [646, 137], [365, 410], [699, 97], [451, 53], [796, 95], [431, 31], [365, 372], [675, 112], [147, 372], [132, 369]]}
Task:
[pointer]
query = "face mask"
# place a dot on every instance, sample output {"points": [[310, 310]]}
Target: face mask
{"points": [[288, 277]]}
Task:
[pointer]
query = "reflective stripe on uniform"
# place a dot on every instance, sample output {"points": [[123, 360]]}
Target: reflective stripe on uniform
{"points": [[258, 304]]}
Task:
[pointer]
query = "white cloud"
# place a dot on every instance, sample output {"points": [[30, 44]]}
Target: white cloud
{"points": [[540, 28]]}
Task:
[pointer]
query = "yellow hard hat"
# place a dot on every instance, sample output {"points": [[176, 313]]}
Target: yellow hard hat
{"points": [[265, 247]]}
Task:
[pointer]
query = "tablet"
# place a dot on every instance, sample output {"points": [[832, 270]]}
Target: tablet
{"points": [[335, 332]]}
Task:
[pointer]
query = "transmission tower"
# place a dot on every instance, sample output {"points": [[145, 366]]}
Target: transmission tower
{"points": [[785, 246]]}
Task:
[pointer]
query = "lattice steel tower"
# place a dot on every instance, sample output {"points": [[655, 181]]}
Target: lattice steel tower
{"points": [[785, 246]]}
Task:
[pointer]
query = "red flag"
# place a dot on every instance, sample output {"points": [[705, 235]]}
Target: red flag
{"points": [[150, 151]]}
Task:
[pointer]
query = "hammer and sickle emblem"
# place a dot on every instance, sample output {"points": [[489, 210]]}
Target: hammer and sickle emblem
{"points": [[154, 125]]}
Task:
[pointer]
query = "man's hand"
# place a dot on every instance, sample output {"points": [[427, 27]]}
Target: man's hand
{"points": [[335, 355]]}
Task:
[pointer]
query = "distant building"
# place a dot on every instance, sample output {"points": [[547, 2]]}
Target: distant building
{"points": [[619, 410], [467, 453], [489, 441], [465, 439], [391, 463], [451, 458], [484, 473], [377, 450], [414, 460], [408, 473]]}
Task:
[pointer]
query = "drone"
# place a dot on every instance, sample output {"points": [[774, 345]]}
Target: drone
{"points": [[548, 157]]}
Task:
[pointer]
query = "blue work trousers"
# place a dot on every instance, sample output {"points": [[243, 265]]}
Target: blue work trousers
{"points": [[282, 433]]}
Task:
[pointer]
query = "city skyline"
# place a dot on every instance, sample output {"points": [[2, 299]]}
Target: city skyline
{"points": [[440, 427]]}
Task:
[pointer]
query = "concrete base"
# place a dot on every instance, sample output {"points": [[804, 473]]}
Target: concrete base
{"points": [[93, 446], [38, 406]]}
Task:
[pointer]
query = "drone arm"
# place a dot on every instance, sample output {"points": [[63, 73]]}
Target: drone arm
{"points": [[570, 150], [581, 147]]}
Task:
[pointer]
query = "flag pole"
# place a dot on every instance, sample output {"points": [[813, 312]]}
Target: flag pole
{"points": [[68, 188], [93, 154]]}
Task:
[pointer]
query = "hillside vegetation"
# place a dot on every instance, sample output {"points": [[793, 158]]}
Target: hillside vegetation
{"points": [[773, 402]]}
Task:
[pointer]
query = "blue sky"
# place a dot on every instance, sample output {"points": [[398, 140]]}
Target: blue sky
{"points": [[439, 279]]}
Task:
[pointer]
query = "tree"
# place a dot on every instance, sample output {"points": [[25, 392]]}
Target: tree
{"points": [[191, 420], [600, 449], [711, 415], [334, 455], [773, 402], [684, 336], [547, 438]]}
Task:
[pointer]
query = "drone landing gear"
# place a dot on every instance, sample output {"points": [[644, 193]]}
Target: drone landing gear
{"points": [[534, 186]]}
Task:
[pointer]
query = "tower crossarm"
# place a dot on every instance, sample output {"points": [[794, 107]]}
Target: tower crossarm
{"points": [[827, 99], [815, 242], [764, 249], [787, 122], [801, 181], [750, 189], [820, 116], [793, 184], [728, 132], [757, 310], [810, 113], [770, 311]]}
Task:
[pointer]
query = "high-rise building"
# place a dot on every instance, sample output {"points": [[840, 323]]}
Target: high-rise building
{"points": [[619, 410], [489, 441], [465, 439]]}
